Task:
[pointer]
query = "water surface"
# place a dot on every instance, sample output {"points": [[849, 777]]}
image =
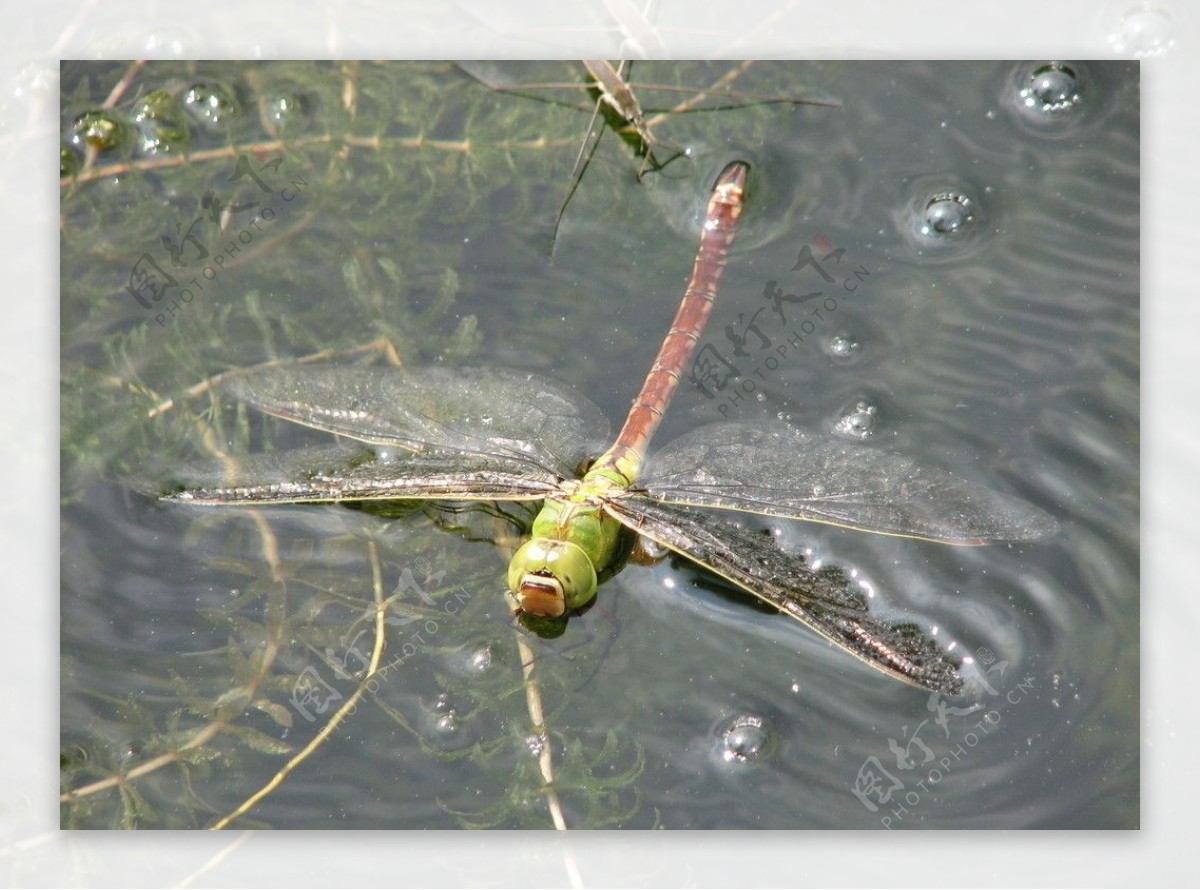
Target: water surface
{"points": [[979, 223]]}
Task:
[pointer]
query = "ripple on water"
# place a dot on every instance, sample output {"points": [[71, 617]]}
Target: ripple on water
{"points": [[775, 192]]}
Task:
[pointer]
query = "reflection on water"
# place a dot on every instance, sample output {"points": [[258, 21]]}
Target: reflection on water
{"points": [[979, 223]]}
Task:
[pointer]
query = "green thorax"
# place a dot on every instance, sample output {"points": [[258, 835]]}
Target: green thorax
{"points": [[573, 539]]}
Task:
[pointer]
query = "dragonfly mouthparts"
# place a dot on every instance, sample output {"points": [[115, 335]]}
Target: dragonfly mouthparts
{"points": [[541, 595]]}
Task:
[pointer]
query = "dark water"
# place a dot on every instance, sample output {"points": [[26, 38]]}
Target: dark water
{"points": [[980, 225]]}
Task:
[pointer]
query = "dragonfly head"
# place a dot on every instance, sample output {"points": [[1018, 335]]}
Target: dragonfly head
{"points": [[548, 577]]}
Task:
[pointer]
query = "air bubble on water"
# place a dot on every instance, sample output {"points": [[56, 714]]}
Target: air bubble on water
{"points": [[159, 45], [481, 659], [945, 215], [36, 80], [101, 130], [842, 346], [161, 124], [130, 752], [446, 719], [1144, 32], [742, 739], [860, 421], [284, 109], [536, 743], [943, 218], [1052, 89], [211, 104]]}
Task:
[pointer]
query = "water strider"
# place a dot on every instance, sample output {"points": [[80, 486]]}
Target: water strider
{"points": [[495, 435], [620, 97]]}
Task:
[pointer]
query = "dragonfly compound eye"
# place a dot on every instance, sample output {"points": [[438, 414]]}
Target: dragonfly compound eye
{"points": [[548, 577]]}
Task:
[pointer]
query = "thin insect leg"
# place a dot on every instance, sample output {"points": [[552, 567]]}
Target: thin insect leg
{"points": [[592, 135]]}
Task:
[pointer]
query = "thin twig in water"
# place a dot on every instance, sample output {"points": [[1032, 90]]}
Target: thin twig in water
{"points": [[347, 707]]}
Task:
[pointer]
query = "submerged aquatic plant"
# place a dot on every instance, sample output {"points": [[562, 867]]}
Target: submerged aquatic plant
{"points": [[219, 216]]}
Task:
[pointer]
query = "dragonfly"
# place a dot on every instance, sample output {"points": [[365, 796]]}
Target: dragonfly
{"points": [[618, 99], [495, 435]]}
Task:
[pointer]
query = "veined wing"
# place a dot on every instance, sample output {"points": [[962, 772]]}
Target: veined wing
{"points": [[777, 471], [482, 411], [357, 473], [822, 600]]}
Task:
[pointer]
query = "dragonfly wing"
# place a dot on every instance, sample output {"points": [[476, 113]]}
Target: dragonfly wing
{"points": [[821, 599], [484, 411], [355, 473], [778, 471]]}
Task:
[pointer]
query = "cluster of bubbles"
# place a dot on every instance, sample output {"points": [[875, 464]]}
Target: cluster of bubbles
{"points": [[166, 122], [944, 216], [445, 717], [859, 421], [159, 123]]}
